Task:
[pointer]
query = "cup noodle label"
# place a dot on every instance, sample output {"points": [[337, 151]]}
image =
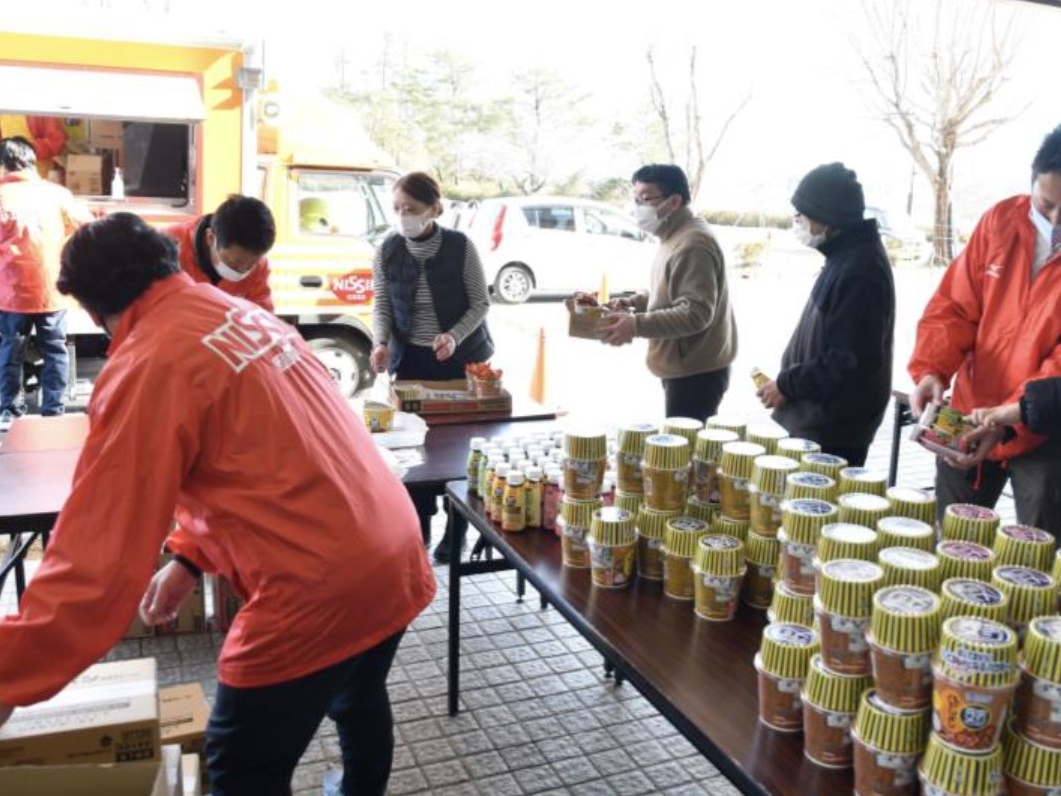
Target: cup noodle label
{"points": [[907, 600], [790, 635], [1026, 533], [1024, 576], [976, 592], [688, 524], [719, 542], [967, 550], [825, 458], [852, 571], [908, 558], [809, 506], [810, 479], [1049, 627], [970, 512]]}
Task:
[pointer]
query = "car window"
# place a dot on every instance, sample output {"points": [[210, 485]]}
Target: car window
{"points": [[334, 203], [551, 217], [604, 222]]}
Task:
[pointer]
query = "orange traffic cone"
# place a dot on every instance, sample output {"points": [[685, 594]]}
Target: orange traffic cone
{"points": [[537, 381]]}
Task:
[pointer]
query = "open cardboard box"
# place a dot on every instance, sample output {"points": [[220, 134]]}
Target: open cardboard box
{"points": [[143, 778], [583, 320], [446, 397]]}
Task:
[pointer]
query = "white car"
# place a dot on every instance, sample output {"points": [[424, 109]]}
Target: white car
{"points": [[557, 244]]}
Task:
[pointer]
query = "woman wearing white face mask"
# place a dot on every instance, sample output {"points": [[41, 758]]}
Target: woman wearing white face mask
{"points": [[431, 301], [835, 377]]}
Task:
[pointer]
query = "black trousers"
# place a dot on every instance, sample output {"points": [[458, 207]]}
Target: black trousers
{"points": [[696, 396], [1036, 479], [256, 736]]}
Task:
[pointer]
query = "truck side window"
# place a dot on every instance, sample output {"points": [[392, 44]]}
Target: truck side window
{"points": [[336, 203]]}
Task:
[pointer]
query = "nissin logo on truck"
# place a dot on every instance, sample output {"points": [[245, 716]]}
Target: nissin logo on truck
{"points": [[354, 287]]}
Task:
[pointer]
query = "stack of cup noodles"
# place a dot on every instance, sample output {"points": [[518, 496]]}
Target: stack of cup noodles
{"points": [[811, 485], [1031, 593], [971, 597], [1024, 546], [630, 450], [735, 477], [960, 559], [830, 702], [862, 480], [917, 504], [707, 456], [718, 571], [612, 543], [1038, 704], [910, 566], [887, 745], [802, 522], [966, 522], [651, 533], [847, 540], [782, 664], [680, 544], [975, 674], [584, 465], [766, 493], [665, 471], [1030, 769]]}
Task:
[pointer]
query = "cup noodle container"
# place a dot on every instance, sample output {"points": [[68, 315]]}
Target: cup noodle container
{"points": [[651, 530], [974, 677], [970, 523], [843, 607], [737, 426], [795, 447], [862, 509], [1031, 593], [767, 490], [903, 633], [947, 771], [908, 566], [1029, 769], [687, 427], [700, 510], [630, 450], [1038, 706], [707, 456], [824, 464], [971, 597], [959, 559], [1025, 546], [846, 540], [735, 472], [810, 485], [576, 517], [629, 501], [761, 555], [781, 664], [1055, 573], [917, 504], [718, 571], [896, 531], [612, 543], [887, 745], [728, 526], [584, 465], [803, 519], [766, 435], [862, 480], [787, 606], [665, 471], [679, 548], [830, 702]]}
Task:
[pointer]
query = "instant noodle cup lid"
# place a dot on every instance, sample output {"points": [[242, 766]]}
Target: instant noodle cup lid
{"points": [[586, 444], [631, 437], [720, 555], [787, 649], [803, 484], [905, 527], [882, 727], [906, 619], [1042, 648], [970, 551], [803, 518], [738, 458], [797, 446], [762, 550], [1029, 762], [709, 443], [826, 462], [965, 559], [832, 692], [1023, 578], [909, 494], [683, 426], [846, 587], [1024, 545], [970, 511], [666, 451], [971, 597], [862, 501], [910, 566], [769, 472], [847, 540], [1027, 533], [1031, 592], [864, 475], [652, 523], [978, 652], [682, 536], [766, 435], [612, 525], [733, 424], [957, 773]]}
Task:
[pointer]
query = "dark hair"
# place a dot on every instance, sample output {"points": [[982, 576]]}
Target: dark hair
{"points": [[670, 179], [1048, 158], [245, 222], [16, 153], [109, 263], [422, 187]]}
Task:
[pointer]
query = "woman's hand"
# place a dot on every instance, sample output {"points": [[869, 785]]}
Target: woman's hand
{"points": [[994, 416], [977, 444], [444, 346], [377, 360]]}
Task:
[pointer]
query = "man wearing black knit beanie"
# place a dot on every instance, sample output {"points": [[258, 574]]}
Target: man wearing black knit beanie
{"points": [[835, 377]]}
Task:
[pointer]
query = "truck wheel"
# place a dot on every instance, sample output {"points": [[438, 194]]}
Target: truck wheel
{"points": [[514, 284], [346, 361]]}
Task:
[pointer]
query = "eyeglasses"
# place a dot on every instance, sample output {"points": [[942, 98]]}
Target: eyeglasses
{"points": [[649, 200]]}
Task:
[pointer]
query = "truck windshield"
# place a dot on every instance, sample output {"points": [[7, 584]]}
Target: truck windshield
{"points": [[337, 203]]}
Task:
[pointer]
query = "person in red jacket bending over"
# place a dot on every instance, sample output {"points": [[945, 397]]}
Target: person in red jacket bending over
{"points": [[992, 326], [212, 411], [228, 248]]}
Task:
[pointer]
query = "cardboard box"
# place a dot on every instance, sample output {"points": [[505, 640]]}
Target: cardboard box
{"points": [[109, 714], [582, 321], [183, 714], [84, 174], [940, 429], [106, 134], [446, 397], [190, 779], [128, 779]]}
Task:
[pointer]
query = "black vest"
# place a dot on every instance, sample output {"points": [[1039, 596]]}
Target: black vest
{"points": [[445, 279]]}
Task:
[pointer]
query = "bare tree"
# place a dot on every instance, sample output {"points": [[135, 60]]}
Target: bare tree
{"points": [[689, 136], [936, 68]]}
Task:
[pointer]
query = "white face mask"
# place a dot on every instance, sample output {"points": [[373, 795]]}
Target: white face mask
{"points": [[413, 226], [646, 218], [801, 229], [231, 274]]}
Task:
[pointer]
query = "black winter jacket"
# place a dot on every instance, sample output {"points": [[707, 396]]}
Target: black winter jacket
{"points": [[1040, 407], [836, 372]]}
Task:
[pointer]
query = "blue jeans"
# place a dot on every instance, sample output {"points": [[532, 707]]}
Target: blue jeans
{"points": [[15, 329]]}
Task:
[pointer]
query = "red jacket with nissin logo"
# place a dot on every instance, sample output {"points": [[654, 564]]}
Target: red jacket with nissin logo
{"points": [[212, 410], [989, 325]]}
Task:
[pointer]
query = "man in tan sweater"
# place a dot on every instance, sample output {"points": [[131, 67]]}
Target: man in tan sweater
{"points": [[685, 314]]}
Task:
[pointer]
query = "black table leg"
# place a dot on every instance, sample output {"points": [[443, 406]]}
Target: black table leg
{"points": [[454, 614], [521, 586], [897, 432]]}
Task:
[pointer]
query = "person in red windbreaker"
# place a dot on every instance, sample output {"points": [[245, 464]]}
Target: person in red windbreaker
{"points": [[992, 326], [228, 248], [213, 411]]}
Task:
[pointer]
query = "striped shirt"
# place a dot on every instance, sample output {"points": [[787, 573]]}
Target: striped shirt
{"points": [[425, 321]]}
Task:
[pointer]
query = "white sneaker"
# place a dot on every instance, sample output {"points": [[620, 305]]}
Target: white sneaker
{"points": [[7, 417]]}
